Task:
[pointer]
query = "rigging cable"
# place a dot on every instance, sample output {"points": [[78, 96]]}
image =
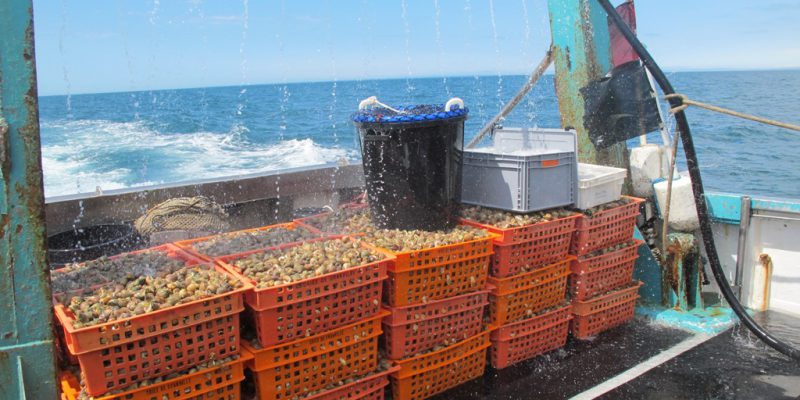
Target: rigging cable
{"points": [[697, 187], [686, 102]]}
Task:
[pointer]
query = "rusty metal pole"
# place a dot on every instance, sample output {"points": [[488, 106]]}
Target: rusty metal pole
{"points": [[582, 54], [27, 356]]}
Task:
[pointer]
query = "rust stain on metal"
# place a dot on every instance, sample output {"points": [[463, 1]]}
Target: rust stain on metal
{"points": [[4, 219], [766, 262], [32, 191], [593, 70], [679, 247]]}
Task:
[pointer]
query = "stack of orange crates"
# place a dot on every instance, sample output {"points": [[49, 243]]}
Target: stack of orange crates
{"points": [[435, 333], [435, 300], [602, 287], [528, 305], [314, 334], [221, 382], [117, 356]]}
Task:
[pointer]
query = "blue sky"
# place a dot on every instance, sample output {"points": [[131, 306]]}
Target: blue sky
{"points": [[100, 46]]}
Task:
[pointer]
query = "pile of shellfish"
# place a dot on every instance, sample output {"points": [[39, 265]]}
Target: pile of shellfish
{"points": [[149, 293], [344, 221], [238, 242], [605, 206], [120, 270], [410, 240], [306, 260], [504, 219]]}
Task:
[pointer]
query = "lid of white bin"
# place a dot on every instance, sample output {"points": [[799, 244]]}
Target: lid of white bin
{"points": [[593, 175], [545, 140], [517, 152]]}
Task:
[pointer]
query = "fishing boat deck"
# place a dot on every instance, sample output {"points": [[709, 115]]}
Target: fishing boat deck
{"points": [[644, 361]]}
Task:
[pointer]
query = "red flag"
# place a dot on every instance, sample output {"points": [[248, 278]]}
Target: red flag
{"points": [[621, 51]]}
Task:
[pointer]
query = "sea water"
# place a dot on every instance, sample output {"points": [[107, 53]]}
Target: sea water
{"points": [[129, 139]]}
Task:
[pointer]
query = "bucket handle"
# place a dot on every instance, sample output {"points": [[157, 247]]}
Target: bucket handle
{"points": [[373, 101], [454, 101]]}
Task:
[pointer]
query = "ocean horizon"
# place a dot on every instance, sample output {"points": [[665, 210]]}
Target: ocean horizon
{"points": [[135, 138]]}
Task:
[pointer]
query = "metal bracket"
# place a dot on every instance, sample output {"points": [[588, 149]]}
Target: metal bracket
{"points": [[741, 246]]}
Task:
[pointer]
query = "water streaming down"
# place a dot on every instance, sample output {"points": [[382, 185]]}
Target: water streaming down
{"points": [[284, 97], [498, 58], [479, 108], [529, 106], [64, 68], [243, 58], [333, 102], [439, 50], [197, 7], [407, 32]]}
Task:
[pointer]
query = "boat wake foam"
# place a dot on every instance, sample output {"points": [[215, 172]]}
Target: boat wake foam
{"points": [[80, 155]]}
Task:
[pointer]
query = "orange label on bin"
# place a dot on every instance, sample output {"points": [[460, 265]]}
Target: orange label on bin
{"points": [[549, 163]]}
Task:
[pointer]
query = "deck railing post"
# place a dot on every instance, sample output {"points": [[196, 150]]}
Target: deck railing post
{"points": [[582, 54], [27, 357]]}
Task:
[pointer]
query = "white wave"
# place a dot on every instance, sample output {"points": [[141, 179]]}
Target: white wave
{"points": [[81, 155]]}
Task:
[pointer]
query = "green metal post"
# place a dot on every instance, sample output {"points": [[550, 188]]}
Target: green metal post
{"points": [[27, 357], [582, 55]]}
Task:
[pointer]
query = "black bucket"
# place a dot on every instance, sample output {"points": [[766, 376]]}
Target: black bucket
{"points": [[412, 160], [90, 242]]}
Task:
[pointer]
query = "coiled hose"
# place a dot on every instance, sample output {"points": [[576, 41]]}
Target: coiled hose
{"points": [[697, 187]]}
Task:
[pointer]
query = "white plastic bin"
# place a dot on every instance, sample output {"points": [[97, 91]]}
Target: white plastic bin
{"points": [[525, 170], [598, 184]]}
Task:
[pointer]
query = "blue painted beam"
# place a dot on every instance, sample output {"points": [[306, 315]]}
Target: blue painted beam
{"points": [[582, 54], [27, 357], [723, 207], [727, 207]]}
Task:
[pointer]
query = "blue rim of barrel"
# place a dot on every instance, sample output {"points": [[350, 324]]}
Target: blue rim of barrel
{"points": [[409, 114]]}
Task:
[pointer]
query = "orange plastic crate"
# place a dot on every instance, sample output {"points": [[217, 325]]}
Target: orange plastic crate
{"points": [[521, 296], [306, 365], [188, 245], [216, 383], [523, 340], [604, 312], [304, 308], [367, 388], [414, 329], [529, 246], [606, 228], [437, 273], [116, 354], [428, 374], [595, 275], [528, 233]]}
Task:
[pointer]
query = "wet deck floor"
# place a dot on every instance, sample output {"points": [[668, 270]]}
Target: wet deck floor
{"points": [[732, 365]]}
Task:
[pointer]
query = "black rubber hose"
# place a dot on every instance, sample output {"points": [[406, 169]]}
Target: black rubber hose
{"points": [[697, 188]]}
